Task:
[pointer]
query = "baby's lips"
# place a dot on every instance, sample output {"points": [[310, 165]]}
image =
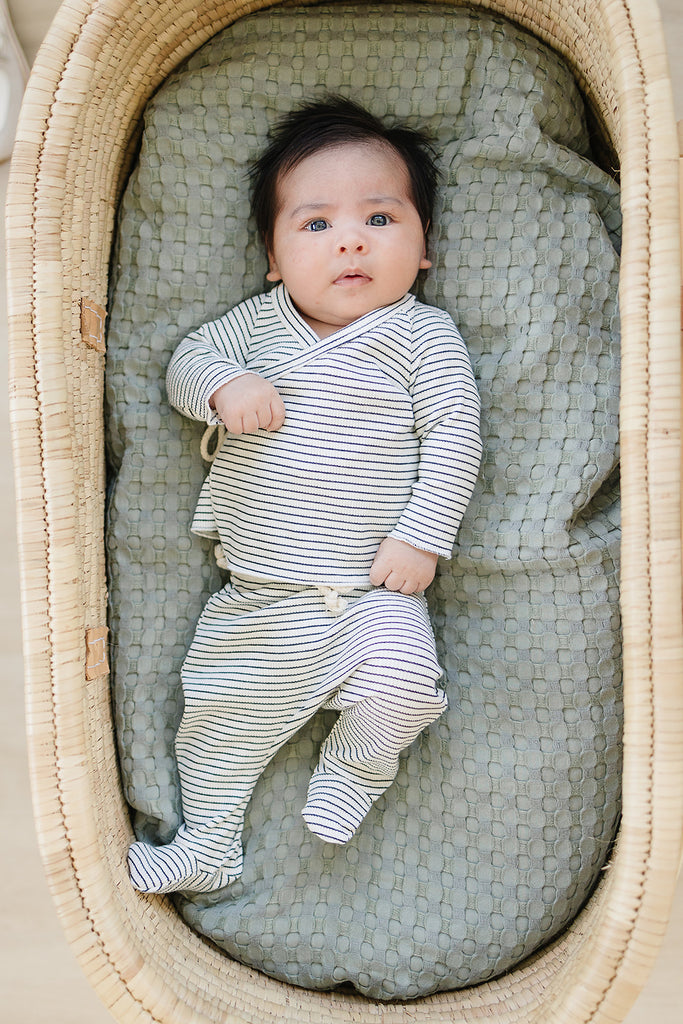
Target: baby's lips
{"points": [[352, 276]]}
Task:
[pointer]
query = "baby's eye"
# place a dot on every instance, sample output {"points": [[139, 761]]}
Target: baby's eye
{"points": [[317, 225], [379, 220]]}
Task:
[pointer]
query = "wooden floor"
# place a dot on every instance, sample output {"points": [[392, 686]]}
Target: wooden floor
{"points": [[40, 982]]}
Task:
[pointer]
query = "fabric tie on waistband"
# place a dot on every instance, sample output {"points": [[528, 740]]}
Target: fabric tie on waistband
{"points": [[334, 598], [219, 555]]}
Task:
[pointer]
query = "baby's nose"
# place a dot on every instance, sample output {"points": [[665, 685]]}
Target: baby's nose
{"points": [[352, 243]]}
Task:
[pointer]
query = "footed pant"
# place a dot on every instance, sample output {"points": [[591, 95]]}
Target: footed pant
{"points": [[264, 659]]}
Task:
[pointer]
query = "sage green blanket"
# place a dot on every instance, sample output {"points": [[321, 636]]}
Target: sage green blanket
{"points": [[502, 813]]}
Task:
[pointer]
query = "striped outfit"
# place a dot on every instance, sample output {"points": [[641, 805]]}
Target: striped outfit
{"points": [[381, 438]]}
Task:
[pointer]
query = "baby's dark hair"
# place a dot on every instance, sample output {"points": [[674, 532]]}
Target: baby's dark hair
{"points": [[325, 124]]}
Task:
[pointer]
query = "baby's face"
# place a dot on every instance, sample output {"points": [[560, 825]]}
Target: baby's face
{"points": [[347, 237]]}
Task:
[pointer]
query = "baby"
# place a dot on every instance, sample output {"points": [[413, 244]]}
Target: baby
{"points": [[351, 452]]}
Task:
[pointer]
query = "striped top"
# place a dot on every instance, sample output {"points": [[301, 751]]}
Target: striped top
{"points": [[381, 437]]}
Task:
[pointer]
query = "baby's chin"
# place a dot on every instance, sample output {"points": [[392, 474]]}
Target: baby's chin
{"points": [[323, 328], [325, 323]]}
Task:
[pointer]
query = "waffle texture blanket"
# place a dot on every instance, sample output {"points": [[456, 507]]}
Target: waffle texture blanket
{"points": [[503, 811]]}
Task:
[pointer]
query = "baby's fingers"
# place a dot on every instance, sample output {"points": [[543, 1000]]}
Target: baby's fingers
{"points": [[249, 423], [248, 403], [378, 573], [397, 583], [277, 414], [266, 417]]}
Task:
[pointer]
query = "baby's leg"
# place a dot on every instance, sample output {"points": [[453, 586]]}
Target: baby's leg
{"points": [[384, 706], [237, 715], [223, 745]]}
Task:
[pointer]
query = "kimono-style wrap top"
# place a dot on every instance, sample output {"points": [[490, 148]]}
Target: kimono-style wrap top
{"points": [[381, 437]]}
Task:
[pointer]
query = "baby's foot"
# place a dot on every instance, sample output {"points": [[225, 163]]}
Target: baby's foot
{"points": [[334, 808], [172, 869]]}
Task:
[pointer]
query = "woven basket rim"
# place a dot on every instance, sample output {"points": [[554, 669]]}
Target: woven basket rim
{"points": [[98, 66]]}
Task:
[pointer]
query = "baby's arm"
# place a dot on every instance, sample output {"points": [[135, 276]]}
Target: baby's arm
{"points": [[248, 403], [400, 566], [446, 410], [210, 357]]}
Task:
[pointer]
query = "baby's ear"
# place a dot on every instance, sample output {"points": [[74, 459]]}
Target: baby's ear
{"points": [[273, 272], [425, 264]]}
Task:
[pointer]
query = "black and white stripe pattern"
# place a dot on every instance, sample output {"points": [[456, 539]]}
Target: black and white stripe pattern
{"points": [[264, 659], [381, 438]]}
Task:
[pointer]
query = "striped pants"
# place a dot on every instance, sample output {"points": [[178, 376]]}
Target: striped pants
{"points": [[264, 659]]}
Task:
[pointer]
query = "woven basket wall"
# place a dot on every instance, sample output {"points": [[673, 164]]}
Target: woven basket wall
{"points": [[95, 72]]}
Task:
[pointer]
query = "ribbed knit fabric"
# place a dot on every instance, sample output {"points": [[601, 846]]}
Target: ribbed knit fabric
{"points": [[381, 437], [264, 659]]}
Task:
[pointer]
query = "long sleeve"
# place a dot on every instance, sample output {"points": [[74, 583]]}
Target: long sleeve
{"points": [[446, 408], [381, 437], [208, 358]]}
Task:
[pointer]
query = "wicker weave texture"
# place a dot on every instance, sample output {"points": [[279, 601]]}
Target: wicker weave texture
{"points": [[95, 72]]}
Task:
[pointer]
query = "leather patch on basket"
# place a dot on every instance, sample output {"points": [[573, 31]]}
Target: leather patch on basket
{"points": [[92, 324], [96, 660]]}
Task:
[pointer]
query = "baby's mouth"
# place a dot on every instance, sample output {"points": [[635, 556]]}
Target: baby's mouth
{"points": [[352, 277]]}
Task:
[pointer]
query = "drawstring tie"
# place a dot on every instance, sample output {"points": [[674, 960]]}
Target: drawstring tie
{"points": [[219, 555], [334, 598], [209, 445]]}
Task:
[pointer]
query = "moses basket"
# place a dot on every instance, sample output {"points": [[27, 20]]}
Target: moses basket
{"points": [[99, 66]]}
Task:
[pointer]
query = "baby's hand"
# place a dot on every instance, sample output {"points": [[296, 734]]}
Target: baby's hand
{"points": [[400, 566], [248, 403]]}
